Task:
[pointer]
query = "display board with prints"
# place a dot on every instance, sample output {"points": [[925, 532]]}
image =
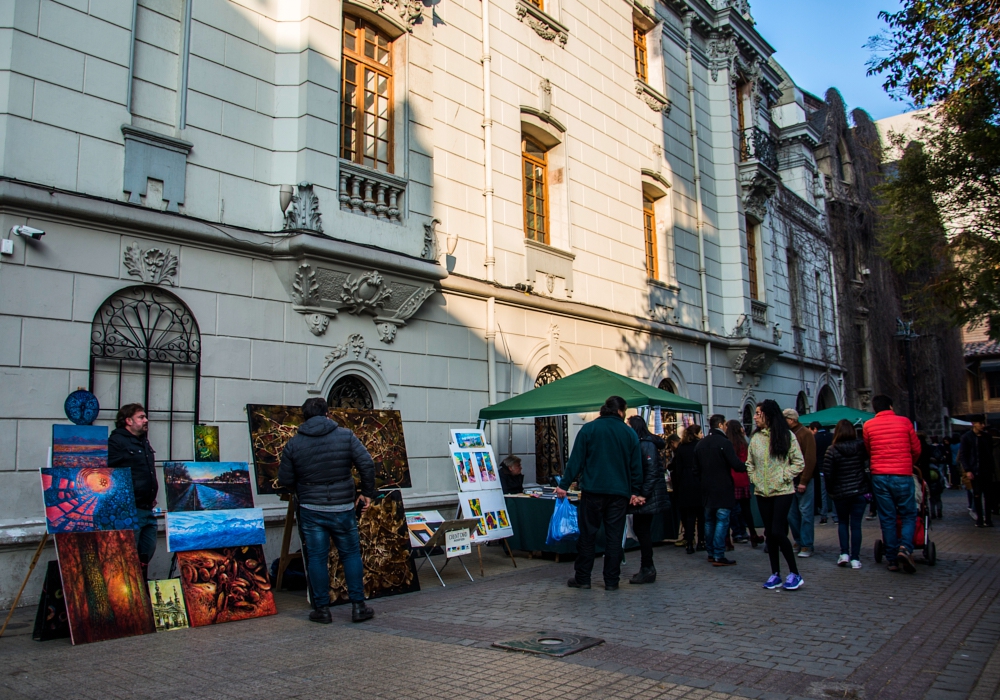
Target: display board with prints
{"points": [[478, 476]]}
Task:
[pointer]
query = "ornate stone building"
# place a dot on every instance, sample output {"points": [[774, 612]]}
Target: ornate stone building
{"points": [[425, 207]]}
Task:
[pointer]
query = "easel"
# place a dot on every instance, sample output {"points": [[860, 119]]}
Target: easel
{"points": [[286, 541], [438, 540], [479, 550], [31, 567]]}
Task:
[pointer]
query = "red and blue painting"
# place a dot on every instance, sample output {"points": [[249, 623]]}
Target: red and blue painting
{"points": [[85, 499], [79, 446]]}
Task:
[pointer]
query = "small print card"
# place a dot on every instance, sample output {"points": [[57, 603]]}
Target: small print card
{"points": [[457, 543]]}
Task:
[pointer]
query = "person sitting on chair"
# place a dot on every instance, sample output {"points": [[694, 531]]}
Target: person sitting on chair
{"points": [[511, 478]]}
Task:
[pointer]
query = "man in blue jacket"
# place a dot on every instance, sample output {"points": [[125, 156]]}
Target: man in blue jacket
{"points": [[607, 464], [316, 465]]}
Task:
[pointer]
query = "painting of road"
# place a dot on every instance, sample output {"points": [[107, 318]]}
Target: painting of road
{"points": [[207, 486]]}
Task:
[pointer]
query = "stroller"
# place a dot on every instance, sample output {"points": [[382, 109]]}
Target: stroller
{"points": [[921, 534]]}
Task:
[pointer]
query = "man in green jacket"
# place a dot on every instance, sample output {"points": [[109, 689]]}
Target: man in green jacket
{"points": [[606, 462]]}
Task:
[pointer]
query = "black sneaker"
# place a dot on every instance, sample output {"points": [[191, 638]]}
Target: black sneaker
{"points": [[321, 615], [573, 583], [905, 560], [722, 561], [361, 612], [611, 587]]}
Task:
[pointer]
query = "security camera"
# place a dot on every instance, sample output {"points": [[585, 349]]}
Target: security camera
{"points": [[35, 233]]}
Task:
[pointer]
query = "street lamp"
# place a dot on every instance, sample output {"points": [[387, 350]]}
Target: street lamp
{"points": [[904, 332]]}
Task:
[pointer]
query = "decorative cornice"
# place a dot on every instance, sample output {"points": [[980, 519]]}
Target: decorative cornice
{"points": [[658, 177], [654, 99], [545, 26], [544, 116], [154, 138], [407, 12]]}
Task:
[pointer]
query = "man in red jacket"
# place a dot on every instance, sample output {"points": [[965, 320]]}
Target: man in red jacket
{"points": [[894, 448]]}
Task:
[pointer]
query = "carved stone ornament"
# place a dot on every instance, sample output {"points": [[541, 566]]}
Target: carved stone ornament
{"points": [[355, 345], [303, 212], [751, 357], [757, 188], [722, 53], [653, 99], [544, 25], [430, 249], [152, 266], [320, 291]]}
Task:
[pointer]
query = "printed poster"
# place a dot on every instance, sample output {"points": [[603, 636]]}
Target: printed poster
{"points": [[490, 509]]}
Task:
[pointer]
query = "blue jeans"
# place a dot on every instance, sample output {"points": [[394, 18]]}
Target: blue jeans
{"points": [[802, 517], [716, 527], [826, 505], [317, 530], [894, 498], [850, 512], [145, 534]]}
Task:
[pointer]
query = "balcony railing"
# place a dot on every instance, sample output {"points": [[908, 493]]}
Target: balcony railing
{"points": [[757, 144], [371, 192], [758, 310]]}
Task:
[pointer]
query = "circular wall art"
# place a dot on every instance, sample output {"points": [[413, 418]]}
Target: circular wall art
{"points": [[82, 407]]}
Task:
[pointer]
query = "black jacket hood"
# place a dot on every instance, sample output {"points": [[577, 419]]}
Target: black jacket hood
{"points": [[318, 426]]}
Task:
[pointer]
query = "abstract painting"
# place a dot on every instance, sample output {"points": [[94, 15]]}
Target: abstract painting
{"points": [[468, 438], [381, 432], [50, 620], [79, 446], [487, 470], [206, 443], [83, 499], [207, 485], [212, 529], [385, 552], [106, 597], [225, 585], [167, 598], [468, 479], [490, 509]]}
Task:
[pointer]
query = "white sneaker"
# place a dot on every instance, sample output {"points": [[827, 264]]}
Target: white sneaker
{"points": [[805, 553], [855, 564], [843, 560]]}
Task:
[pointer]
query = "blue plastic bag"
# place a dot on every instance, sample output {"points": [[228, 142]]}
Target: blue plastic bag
{"points": [[563, 526]]}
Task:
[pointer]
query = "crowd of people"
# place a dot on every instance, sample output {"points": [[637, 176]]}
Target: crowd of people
{"points": [[791, 471]]}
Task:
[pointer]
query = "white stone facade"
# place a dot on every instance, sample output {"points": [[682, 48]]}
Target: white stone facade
{"points": [[213, 106]]}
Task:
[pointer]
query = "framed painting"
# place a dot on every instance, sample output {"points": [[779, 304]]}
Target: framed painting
{"points": [[106, 597], [84, 499], [212, 529], [225, 585], [207, 485], [79, 446], [206, 443], [271, 427], [167, 599], [385, 552]]}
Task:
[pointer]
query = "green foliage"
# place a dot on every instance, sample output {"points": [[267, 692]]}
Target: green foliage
{"points": [[940, 223]]}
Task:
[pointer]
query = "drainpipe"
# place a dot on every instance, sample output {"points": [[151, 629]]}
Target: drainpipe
{"points": [[699, 220], [836, 304], [488, 142], [491, 358]]}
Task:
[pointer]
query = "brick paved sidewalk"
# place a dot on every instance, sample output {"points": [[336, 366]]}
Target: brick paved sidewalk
{"points": [[861, 634]]}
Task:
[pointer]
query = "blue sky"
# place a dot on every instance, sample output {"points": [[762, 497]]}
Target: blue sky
{"points": [[821, 45]]}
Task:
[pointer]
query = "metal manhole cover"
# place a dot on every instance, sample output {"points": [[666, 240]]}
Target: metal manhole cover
{"points": [[550, 643]]}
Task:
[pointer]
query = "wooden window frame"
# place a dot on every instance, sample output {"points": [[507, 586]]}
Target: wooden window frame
{"points": [[649, 237], [541, 162], [641, 54], [752, 260], [354, 149], [540, 4]]}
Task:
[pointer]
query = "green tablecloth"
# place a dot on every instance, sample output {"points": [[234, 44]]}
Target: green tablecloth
{"points": [[529, 517]]}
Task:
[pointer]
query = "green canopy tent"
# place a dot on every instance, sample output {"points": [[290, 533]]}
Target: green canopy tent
{"points": [[829, 417], [585, 392]]}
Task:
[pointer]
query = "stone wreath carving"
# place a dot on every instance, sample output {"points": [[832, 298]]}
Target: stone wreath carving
{"points": [[365, 293], [152, 266], [544, 25]]}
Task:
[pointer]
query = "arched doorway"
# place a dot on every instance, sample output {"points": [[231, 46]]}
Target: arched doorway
{"points": [[802, 403], [145, 347], [668, 417], [826, 398], [350, 392], [747, 418], [551, 432]]}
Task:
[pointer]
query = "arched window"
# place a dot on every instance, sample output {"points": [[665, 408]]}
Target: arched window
{"points": [[802, 403], [826, 398], [669, 418], [536, 196], [747, 418], [350, 392], [145, 347], [551, 435]]}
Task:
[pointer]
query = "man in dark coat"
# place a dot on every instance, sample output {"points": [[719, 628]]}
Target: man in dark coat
{"points": [[511, 478], [605, 459], [129, 448], [316, 464], [717, 461], [976, 455]]}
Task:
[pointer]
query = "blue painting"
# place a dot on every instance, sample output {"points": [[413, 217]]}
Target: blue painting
{"points": [[207, 485], [210, 529], [80, 446], [85, 499]]}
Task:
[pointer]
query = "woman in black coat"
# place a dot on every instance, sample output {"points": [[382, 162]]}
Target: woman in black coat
{"points": [[686, 480], [654, 490], [845, 470]]}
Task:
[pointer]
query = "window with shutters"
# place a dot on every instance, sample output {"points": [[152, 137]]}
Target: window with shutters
{"points": [[366, 97]]}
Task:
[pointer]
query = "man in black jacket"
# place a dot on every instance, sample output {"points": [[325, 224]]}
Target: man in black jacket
{"points": [[511, 478], [129, 448], [717, 461], [316, 465], [976, 455]]}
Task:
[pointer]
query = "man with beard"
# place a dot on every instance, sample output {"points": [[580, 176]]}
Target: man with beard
{"points": [[129, 448]]}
